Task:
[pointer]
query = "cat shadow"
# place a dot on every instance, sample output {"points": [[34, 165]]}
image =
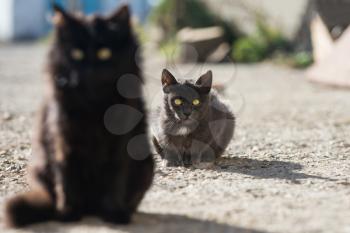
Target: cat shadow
{"points": [[145, 223], [265, 169]]}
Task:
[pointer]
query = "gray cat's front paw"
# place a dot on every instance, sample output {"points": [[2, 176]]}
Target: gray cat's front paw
{"points": [[173, 163], [204, 161], [204, 165], [187, 160], [173, 159]]}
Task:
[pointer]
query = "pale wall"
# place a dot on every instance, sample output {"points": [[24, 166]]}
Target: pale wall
{"points": [[6, 19], [284, 14], [29, 18], [22, 19]]}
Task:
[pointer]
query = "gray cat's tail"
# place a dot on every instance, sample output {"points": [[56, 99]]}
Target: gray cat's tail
{"points": [[29, 208]]}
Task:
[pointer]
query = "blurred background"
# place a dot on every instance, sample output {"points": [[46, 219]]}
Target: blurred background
{"points": [[294, 33]]}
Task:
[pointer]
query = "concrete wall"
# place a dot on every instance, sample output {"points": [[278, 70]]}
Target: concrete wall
{"points": [[22, 19], [27, 19], [286, 15], [6, 20]]}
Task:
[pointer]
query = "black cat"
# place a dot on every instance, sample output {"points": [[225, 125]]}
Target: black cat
{"points": [[195, 125], [92, 150]]}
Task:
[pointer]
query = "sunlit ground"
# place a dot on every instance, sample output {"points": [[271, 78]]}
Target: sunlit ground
{"points": [[287, 170]]}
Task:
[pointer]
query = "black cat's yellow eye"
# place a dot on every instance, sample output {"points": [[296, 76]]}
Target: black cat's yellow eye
{"points": [[104, 54], [178, 102], [77, 54], [196, 102]]}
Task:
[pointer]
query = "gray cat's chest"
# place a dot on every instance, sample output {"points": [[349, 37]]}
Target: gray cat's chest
{"points": [[183, 142], [186, 138]]}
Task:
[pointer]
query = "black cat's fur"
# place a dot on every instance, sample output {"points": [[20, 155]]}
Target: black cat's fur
{"points": [[189, 134], [83, 168]]}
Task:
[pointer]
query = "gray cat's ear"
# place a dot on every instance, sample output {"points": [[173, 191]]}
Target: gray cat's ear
{"points": [[205, 82], [167, 80], [122, 14]]}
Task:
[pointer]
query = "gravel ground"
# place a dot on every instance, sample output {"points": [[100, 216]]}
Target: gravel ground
{"points": [[287, 170]]}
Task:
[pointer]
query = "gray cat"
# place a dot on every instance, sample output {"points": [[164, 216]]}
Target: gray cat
{"points": [[194, 126]]}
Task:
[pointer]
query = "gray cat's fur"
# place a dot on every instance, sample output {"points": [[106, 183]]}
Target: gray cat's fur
{"points": [[189, 134]]}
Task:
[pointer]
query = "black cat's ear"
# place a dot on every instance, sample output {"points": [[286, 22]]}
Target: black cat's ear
{"points": [[167, 80], [60, 16], [122, 14], [205, 82]]}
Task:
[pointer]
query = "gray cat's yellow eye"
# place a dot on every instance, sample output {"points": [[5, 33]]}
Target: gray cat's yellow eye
{"points": [[196, 102], [77, 54], [178, 102], [104, 54]]}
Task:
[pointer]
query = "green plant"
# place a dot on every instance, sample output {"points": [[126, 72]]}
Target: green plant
{"points": [[272, 37], [142, 36], [173, 15], [163, 16], [170, 49], [248, 50], [302, 60], [262, 44]]}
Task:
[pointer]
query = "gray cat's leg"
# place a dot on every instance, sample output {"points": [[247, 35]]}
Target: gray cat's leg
{"points": [[205, 160], [172, 158], [202, 155], [187, 160], [222, 131]]}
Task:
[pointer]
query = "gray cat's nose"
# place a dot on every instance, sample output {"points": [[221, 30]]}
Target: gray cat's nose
{"points": [[187, 114]]}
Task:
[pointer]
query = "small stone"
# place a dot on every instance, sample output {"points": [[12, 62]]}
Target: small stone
{"points": [[21, 158], [10, 168], [345, 183], [7, 116]]}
